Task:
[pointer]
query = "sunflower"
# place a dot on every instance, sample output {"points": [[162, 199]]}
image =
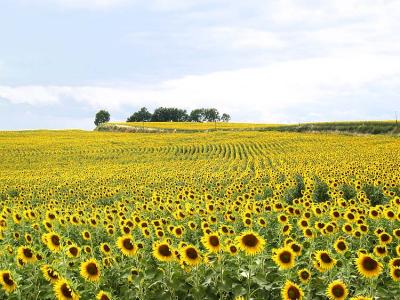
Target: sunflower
{"points": [[341, 246], [49, 273], [212, 242], [190, 255], [63, 290], [325, 261], [126, 245], [394, 262], [284, 258], [90, 270], [163, 251], [26, 254], [86, 235], [232, 249], [304, 275], [368, 266], [73, 251], [337, 290], [398, 250], [291, 291], [105, 248], [296, 247], [380, 250], [102, 295], [53, 241], [395, 273], [7, 281], [250, 242]]}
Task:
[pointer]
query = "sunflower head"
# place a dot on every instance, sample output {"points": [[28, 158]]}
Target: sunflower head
{"points": [[324, 260], [49, 273], [395, 273], [368, 266], [163, 251], [250, 242], [190, 255], [90, 270], [291, 291], [337, 290], [212, 242], [26, 254], [63, 290], [7, 281], [102, 295], [304, 275], [284, 258], [126, 244], [340, 246]]}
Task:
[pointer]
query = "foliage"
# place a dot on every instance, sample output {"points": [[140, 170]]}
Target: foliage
{"points": [[143, 115], [102, 116]]}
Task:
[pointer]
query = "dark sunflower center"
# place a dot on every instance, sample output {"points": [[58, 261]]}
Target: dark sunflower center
{"points": [[384, 237], [250, 240], [135, 272], [55, 240], [192, 253], [127, 243], [396, 273], [66, 291], [28, 253], [304, 275], [7, 279], [295, 247], [104, 297], [164, 250], [214, 241], [285, 257], [233, 249], [338, 291], [73, 251], [369, 264], [326, 258], [92, 269], [381, 250], [293, 293], [52, 274], [106, 248], [396, 262], [341, 246]]}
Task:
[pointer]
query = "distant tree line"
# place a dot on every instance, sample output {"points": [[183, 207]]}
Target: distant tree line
{"points": [[173, 114]]}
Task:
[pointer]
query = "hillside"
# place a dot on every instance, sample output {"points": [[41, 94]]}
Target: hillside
{"points": [[351, 127]]}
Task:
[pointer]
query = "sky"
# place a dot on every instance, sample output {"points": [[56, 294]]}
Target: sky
{"points": [[265, 61]]}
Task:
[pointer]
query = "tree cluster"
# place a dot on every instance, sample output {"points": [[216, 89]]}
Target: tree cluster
{"points": [[172, 114]]}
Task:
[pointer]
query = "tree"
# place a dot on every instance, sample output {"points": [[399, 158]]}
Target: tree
{"points": [[143, 115], [169, 114], [197, 115], [102, 116], [225, 118], [211, 115]]}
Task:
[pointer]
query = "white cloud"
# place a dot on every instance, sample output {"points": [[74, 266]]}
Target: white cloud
{"points": [[243, 38], [34, 95], [267, 91]]}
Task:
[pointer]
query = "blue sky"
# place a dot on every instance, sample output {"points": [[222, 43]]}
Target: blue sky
{"points": [[258, 60]]}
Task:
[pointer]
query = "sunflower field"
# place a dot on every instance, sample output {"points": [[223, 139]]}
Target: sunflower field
{"points": [[217, 215]]}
